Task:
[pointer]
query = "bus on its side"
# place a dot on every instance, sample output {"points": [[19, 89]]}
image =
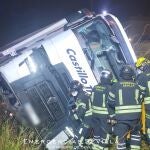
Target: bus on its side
{"points": [[37, 69]]}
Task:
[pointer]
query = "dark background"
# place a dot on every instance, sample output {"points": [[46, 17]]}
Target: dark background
{"points": [[21, 17]]}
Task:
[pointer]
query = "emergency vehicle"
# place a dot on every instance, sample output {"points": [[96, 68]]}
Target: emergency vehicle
{"points": [[36, 70]]}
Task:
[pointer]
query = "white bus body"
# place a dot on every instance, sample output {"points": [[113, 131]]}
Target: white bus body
{"points": [[37, 69]]}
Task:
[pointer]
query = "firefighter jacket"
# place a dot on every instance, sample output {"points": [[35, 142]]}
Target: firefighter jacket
{"points": [[124, 100], [82, 105], [99, 103], [96, 107], [143, 81]]}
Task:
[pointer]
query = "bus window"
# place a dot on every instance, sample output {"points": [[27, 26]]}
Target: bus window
{"points": [[102, 50]]}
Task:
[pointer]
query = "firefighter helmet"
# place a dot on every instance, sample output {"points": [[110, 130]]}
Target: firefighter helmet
{"points": [[106, 77], [143, 64], [141, 61], [127, 72], [75, 85]]}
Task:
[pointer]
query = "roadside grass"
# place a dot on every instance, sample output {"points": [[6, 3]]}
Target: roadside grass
{"points": [[12, 137], [13, 133]]}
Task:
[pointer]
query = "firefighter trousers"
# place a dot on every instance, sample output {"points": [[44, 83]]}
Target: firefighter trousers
{"points": [[121, 130], [101, 133]]}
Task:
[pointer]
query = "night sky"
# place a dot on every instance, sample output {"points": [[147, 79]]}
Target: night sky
{"points": [[21, 17]]}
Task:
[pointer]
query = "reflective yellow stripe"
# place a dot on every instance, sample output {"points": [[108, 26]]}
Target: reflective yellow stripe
{"points": [[104, 99], [92, 97], [81, 140], [148, 74], [128, 111], [147, 100], [147, 116], [81, 104], [136, 95], [88, 113], [141, 97], [148, 130], [111, 95], [127, 107], [75, 116], [114, 80], [107, 138], [117, 140], [149, 87], [135, 147], [120, 97], [100, 111], [86, 125], [90, 105], [142, 87], [99, 108], [110, 98]]}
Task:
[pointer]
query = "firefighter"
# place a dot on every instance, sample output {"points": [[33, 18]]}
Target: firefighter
{"points": [[79, 107], [143, 79], [100, 112], [75, 87], [97, 114], [80, 100], [124, 105]]}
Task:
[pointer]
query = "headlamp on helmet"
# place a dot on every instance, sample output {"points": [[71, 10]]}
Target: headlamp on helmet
{"points": [[75, 86], [106, 77]]}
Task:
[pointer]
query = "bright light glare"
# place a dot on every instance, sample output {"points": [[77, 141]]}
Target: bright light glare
{"points": [[104, 12], [32, 114], [10, 114], [32, 64], [23, 70], [130, 39]]}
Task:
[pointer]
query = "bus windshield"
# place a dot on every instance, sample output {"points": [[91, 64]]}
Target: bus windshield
{"points": [[101, 47]]}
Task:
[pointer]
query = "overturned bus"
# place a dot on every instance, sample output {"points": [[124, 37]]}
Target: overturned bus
{"points": [[36, 70]]}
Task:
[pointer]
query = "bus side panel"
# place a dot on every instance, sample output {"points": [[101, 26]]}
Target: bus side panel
{"points": [[66, 48]]}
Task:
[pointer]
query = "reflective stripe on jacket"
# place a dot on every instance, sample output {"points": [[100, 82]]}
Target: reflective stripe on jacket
{"points": [[125, 100]]}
